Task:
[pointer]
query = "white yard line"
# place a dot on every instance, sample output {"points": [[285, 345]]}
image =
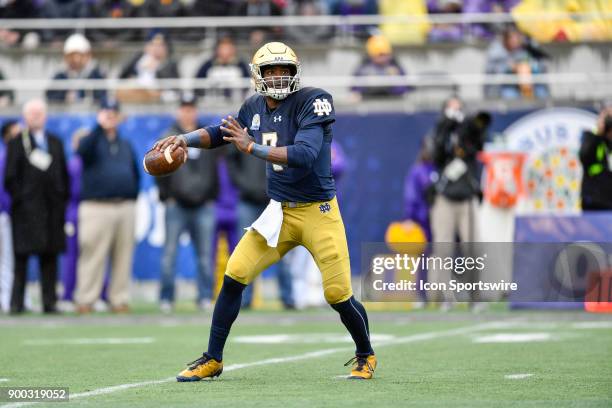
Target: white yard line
{"points": [[604, 324], [90, 341], [513, 338], [517, 376], [279, 360]]}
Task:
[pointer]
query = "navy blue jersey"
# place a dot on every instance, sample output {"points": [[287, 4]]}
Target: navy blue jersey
{"points": [[303, 123]]}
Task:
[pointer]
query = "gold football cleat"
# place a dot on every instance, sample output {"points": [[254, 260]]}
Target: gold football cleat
{"points": [[363, 367], [203, 367]]}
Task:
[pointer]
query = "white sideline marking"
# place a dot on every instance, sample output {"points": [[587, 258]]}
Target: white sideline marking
{"points": [[279, 360], [517, 376], [593, 325], [513, 338], [89, 341], [4, 379]]}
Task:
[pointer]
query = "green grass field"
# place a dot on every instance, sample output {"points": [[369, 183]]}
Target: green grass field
{"points": [[276, 359]]}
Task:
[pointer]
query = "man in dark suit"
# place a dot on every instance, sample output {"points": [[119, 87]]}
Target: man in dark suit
{"points": [[37, 180]]}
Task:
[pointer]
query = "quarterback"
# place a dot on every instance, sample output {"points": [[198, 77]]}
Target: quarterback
{"points": [[291, 128]]}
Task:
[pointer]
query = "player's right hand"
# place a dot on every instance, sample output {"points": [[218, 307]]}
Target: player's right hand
{"points": [[171, 142]]}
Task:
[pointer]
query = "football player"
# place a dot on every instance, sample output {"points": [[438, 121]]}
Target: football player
{"points": [[291, 128]]}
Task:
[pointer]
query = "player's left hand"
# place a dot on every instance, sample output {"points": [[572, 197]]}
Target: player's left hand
{"points": [[235, 133]]}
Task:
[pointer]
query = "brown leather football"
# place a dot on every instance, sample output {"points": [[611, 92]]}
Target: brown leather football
{"points": [[158, 163]]}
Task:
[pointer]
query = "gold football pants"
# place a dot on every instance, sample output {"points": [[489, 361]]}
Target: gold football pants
{"points": [[319, 228]]}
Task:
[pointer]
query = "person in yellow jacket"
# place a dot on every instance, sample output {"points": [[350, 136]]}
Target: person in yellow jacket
{"points": [[578, 20]]}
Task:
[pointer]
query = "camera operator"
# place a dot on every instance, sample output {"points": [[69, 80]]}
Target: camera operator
{"points": [[596, 157], [457, 140]]}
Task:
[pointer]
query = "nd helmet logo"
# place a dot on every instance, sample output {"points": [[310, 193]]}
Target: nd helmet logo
{"points": [[325, 207], [322, 107]]}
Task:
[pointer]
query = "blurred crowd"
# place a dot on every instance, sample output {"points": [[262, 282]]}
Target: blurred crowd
{"points": [[512, 47], [511, 53], [566, 28]]}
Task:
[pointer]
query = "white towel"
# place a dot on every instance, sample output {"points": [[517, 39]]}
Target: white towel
{"points": [[269, 223]]}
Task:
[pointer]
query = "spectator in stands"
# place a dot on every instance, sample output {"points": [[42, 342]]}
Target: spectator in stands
{"points": [[165, 8], [78, 65], [488, 30], [249, 176], [224, 68], [153, 63], [114, 9], [211, 8], [307, 34], [596, 157], [446, 32], [575, 21], [189, 195], [49, 9], [62, 9], [15, 9], [351, 7], [379, 62], [457, 139], [6, 95], [515, 54], [172, 8], [18, 9], [109, 187], [9, 38], [401, 33], [10, 130], [36, 178], [259, 8]]}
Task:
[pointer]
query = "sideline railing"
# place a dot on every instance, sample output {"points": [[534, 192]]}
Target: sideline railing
{"points": [[333, 82], [280, 21]]}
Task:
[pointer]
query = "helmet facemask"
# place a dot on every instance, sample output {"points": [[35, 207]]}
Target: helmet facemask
{"points": [[276, 87]]}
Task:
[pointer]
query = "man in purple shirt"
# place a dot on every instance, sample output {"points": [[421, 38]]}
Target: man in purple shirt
{"points": [[379, 61], [10, 129]]}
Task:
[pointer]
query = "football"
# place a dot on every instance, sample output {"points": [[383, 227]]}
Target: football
{"points": [[158, 163]]}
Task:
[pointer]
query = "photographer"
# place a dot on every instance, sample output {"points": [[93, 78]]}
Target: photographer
{"points": [[596, 157], [457, 140]]}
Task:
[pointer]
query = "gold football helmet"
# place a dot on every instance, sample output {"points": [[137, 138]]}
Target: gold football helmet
{"points": [[277, 87]]}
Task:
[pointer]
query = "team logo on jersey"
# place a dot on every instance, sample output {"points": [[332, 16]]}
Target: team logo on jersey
{"points": [[255, 122], [325, 207], [322, 107], [278, 118]]}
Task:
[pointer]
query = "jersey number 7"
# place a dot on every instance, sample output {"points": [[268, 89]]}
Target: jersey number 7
{"points": [[270, 139]]}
